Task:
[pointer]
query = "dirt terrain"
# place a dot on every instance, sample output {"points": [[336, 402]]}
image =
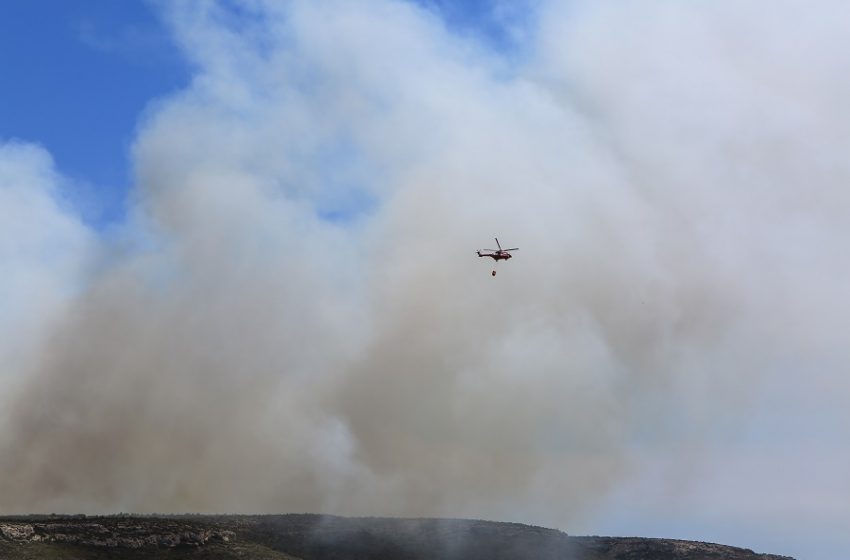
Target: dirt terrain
{"points": [[318, 537]]}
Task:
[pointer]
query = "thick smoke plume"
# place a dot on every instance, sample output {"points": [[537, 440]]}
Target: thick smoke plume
{"points": [[299, 322]]}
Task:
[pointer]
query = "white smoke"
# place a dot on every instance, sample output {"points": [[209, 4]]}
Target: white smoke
{"points": [[307, 327], [44, 256]]}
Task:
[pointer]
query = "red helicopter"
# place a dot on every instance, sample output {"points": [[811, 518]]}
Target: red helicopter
{"points": [[497, 254]]}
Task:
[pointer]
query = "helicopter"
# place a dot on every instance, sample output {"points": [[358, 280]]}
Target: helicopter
{"points": [[497, 254]]}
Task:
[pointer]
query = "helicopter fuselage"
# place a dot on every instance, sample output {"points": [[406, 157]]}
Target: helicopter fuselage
{"points": [[497, 256]]}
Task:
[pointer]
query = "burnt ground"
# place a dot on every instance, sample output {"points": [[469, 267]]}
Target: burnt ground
{"points": [[317, 537]]}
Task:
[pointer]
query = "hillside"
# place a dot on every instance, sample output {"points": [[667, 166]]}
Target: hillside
{"points": [[316, 537]]}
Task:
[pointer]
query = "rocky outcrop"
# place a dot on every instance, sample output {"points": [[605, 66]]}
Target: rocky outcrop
{"points": [[634, 548], [114, 535], [316, 537], [17, 532]]}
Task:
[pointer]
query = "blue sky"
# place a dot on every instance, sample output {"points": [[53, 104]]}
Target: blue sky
{"points": [[497, 23], [77, 75]]}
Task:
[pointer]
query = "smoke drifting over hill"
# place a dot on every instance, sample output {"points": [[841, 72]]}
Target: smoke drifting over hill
{"points": [[295, 319]]}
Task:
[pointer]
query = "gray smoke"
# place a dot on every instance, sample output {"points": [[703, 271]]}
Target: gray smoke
{"points": [[295, 319]]}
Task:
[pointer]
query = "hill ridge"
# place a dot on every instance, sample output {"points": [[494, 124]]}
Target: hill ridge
{"points": [[303, 536]]}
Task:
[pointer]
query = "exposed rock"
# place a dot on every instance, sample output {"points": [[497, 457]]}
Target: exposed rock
{"points": [[17, 532], [117, 535], [315, 537]]}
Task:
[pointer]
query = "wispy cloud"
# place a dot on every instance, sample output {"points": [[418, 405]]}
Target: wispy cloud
{"points": [[138, 43]]}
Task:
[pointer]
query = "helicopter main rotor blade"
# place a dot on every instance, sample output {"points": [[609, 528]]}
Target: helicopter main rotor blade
{"points": [[514, 249], [497, 243]]}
